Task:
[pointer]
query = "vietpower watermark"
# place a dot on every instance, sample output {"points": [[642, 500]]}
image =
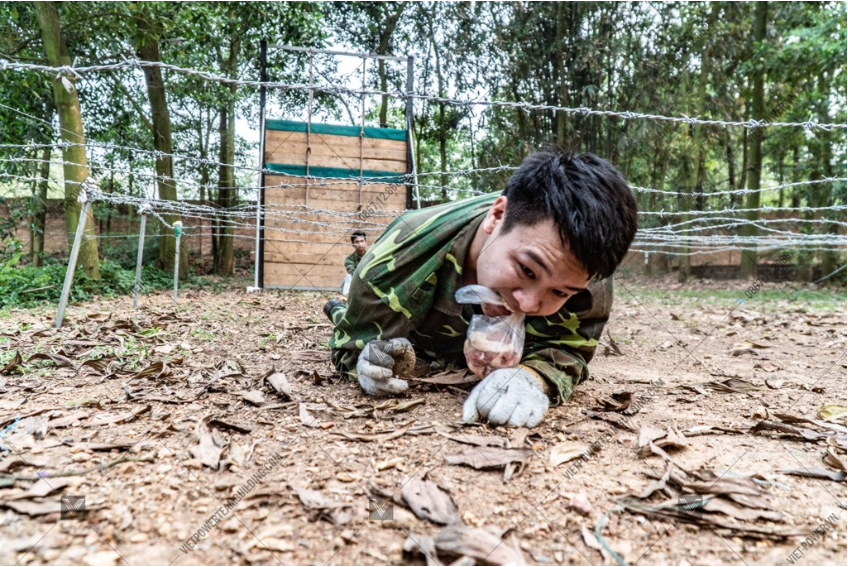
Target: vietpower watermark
{"points": [[230, 504], [820, 531]]}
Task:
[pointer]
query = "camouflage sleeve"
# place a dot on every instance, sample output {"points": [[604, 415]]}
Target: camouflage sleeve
{"points": [[561, 346], [367, 318], [350, 265]]}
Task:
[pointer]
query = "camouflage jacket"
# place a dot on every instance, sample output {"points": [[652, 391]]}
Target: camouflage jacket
{"points": [[405, 285], [352, 261]]}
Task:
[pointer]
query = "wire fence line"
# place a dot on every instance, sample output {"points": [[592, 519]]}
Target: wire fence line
{"points": [[663, 239], [676, 238], [314, 180], [78, 73]]}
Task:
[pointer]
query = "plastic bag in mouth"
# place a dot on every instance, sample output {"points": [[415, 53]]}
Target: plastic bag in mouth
{"points": [[492, 343]]}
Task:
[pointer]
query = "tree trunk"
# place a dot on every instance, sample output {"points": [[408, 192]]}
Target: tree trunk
{"points": [[148, 50], [748, 264], [560, 73], [70, 121], [227, 197], [385, 41]]}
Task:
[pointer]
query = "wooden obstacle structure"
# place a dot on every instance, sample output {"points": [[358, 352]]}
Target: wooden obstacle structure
{"points": [[311, 210]]}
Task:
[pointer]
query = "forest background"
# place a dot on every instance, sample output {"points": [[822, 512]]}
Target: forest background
{"points": [[727, 61]]}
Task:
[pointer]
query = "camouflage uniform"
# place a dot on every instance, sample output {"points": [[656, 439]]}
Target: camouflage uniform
{"points": [[352, 261], [405, 285]]}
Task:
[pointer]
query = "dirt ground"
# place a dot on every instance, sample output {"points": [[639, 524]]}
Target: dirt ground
{"points": [[181, 399]]}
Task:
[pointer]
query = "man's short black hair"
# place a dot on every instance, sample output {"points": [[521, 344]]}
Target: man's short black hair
{"points": [[586, 198], [356, 235]]}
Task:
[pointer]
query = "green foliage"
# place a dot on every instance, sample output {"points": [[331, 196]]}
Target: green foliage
{"points": [[28, 286]]}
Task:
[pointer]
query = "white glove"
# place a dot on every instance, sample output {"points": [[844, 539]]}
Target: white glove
{"points": [[513, 396], [381, 362]]}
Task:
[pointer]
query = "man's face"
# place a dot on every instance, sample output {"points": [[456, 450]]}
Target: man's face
{"points": [[528, 266], [359, 245]]}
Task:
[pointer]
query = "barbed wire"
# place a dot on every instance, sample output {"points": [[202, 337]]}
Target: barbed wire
{"points": [[78, 71], [318, 181]]}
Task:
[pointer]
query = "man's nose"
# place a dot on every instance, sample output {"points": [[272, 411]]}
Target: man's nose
{"points": [[528, 300]]}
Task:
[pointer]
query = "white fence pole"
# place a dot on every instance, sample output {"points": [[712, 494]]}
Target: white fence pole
{"points": [[72, 262], [178, 232], [137, 287]]}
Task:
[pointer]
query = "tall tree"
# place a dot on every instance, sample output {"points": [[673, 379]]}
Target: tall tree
{"points": [[70, 121], [748, 263], [147, 45]]}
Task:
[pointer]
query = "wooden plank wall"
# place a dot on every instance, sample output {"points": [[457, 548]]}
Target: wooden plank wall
{"points": [[300, 251]]}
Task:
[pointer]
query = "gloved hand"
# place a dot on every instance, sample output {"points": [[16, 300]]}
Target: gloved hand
{"points": [[379, 364], [514, 396]]}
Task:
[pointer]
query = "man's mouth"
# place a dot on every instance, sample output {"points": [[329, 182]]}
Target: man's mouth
{"points": [[491, 310]]}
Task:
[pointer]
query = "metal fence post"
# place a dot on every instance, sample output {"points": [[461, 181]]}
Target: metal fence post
{"points": [[137, 287], [72, 261], [178, 232]]}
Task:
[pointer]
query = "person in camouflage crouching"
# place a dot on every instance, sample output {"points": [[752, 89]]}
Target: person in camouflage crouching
{"points": [[548, 245]]}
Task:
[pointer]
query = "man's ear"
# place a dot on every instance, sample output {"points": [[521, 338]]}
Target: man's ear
{"points": [[496, 214]]}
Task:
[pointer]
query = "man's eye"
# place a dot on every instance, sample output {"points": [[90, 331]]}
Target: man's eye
{"points": [[528, 272], [559, 293]]}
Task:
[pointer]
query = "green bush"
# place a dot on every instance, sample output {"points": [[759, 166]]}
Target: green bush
{"points": [[28, 286]]}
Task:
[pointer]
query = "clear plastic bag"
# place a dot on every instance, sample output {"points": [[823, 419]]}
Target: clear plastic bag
{"points": [[491, 342]]}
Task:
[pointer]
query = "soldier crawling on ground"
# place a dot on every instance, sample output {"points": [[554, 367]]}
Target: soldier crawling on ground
{"points": [[548, 245], [360, 246]]}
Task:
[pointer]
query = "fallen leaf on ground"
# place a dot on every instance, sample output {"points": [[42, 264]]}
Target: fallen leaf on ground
{"points": [[208, 450], [337, 512], [280, 383], [120, 418], [16, 361], [733, 385], [429, 502], [478, 440], [57, 359], [788, 430], [310, 355], [464, 541], [255, 397], [385, 436], [618, 402], [567, 451], [813, 472], [832, 412], [489, 457], [398, 406], [448, 378]]}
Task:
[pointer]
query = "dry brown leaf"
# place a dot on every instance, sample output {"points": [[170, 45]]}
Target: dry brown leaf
{"points": [[618, 402], [385, 436], [789, 430], [280, 383], [736, 385], [429, 502], [813, 472], [833, 459], [208, 450], [15, 362], [398, 407], [307, 418], [489, 457], [120, 418], [464, 541], [255, 397], [478, 440], [57, 359], [67, 420], [310, 356], [567, 451], [448, 378]]}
